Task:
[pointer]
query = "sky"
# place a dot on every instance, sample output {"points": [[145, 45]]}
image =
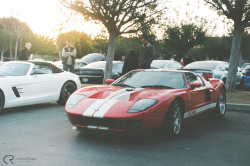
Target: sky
{"points": [[45, 17]]}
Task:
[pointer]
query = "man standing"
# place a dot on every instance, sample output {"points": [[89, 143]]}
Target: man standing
{"points": [[23, 53], [147, 54], [68, 55]]}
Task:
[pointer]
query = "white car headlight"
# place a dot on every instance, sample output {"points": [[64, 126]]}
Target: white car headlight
{"points": [[74, 99], [142, 105]]}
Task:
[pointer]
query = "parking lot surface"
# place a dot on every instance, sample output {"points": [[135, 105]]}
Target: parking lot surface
{"points": [[42, 135]]}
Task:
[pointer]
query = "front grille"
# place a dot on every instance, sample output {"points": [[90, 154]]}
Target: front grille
{"points": [[91, 72], [247, 73], [86, 121]]}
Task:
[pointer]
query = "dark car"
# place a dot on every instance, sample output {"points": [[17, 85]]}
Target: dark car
{"points": [[94, 72], [93, 57]]}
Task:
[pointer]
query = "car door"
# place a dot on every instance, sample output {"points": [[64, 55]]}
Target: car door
{"points": [[41, 84], [198, 97], [14, 83]]}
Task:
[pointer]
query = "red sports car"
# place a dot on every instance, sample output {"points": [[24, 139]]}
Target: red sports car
{"points": [[146, 99]]}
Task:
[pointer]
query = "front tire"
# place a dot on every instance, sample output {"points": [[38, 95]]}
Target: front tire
{"points": [[2, 101], [173, 120], [220, 109], [67, 89]]}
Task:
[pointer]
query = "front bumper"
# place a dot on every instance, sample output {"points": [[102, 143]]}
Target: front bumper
{"points": [[105, 124]]}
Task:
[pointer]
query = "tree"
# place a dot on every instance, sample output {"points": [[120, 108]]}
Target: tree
{"points": [[15, 28], [239, 12], [43, 46], [217, 48], [118, 16], [182, 38], [3, 43]]}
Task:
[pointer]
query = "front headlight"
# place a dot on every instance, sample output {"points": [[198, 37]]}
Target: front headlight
{"points": [[74, 99], [142, 105]]}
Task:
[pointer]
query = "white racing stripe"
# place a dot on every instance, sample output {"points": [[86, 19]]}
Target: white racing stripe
{"points": [[91, 110], [104, 108], [101, 106], [198, 110]]}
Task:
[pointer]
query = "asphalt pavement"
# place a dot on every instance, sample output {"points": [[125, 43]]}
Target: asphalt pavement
{"points": [[42, 135]]}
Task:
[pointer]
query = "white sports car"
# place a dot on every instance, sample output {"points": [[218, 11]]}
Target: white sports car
{"points": [[31, 82]]}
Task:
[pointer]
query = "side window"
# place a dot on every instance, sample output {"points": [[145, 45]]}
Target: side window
{"points": [[193, 78], [177, 66], [45, 69], [169, 66]]}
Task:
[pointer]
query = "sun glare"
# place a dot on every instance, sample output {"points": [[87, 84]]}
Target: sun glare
{"points": [[47, 17]]}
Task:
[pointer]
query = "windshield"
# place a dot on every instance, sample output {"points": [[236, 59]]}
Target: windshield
{"points": [[152, 79], [14, 69], [203, 65], [102, 65]]}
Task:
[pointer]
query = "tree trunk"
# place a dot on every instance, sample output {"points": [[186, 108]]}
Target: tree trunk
{"points": [[11, 54], [207, 56], [2, 58], [60, 51], [16, 47], [234, 58], [110, 57]]}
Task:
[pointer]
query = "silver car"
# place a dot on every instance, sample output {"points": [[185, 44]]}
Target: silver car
{"points": [[213, 69], [165, 64]]}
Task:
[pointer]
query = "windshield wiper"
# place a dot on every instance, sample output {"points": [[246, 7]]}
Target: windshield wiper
{"points": [[157, 86], [123, 85]]}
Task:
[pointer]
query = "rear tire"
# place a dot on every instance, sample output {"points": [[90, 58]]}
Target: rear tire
{"points": [[2, 101], [220, 109], [67, 89], [173, 121]]}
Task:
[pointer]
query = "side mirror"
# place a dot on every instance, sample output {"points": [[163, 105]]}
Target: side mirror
{"points": [[222, 68], [36, 72], [109, 81], [195, 85]]}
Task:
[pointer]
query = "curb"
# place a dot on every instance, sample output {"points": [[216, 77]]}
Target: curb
{"points": [[238, 107]]}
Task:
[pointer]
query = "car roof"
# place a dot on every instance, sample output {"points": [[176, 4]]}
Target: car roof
{"points": [[163, 70]]}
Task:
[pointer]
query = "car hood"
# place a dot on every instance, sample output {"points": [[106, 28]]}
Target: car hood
{"points": [[112, 101]]}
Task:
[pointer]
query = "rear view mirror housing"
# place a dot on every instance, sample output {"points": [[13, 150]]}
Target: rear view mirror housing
{"points": [[194, 85], [109, 81]]}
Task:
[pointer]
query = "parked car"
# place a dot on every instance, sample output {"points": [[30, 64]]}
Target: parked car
{"points": [[30, 82], [78, 64], [243, 66], [93, 57], [165, 64], [146, 99], [213, 69], [246, 84], [94, 72]]}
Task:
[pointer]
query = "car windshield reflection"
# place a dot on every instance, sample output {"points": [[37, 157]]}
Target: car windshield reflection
{"points": [[152, 79], [14, 69]]}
